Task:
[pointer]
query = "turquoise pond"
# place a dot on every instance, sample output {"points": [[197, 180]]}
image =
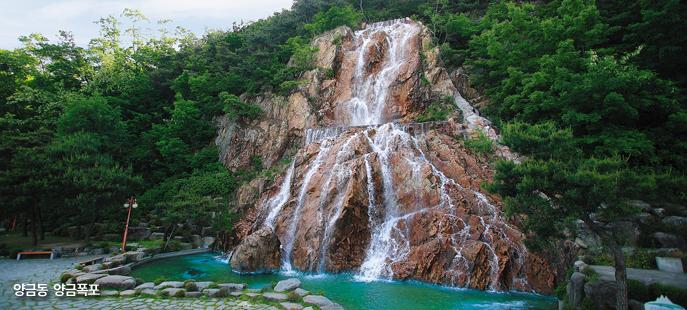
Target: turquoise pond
{"points": [[345, 289]]}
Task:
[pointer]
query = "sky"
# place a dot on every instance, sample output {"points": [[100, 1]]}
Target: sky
{"points": [[23, 17]]}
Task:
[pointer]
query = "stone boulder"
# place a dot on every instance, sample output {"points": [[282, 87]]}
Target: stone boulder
{"points": [[258, 252], [91, 268], [116, 282], [231, 287], [575, 289], [601, 294], [275, 296], [675, 221], [156, 236], [144, 286], [89, 278], [214, 292], [207, 242], [173, 284], [287, 285], [670, 241], [321, 301], [174, 292]]}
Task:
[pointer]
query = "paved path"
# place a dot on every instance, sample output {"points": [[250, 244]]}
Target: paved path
{"points": [[645, 275], [47, 271]]}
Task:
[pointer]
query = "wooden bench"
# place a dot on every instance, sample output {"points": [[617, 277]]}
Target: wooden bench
{"points": [[52, 254]]}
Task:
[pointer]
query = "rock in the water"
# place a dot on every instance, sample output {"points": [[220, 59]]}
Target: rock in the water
{"points": [[214, 292], [174, 292], [231, 287], [258, 252], [109, 293], [317, 300], [89, 277], [287, 285], [133, 256], [166, 284], [121, 270], [275, 296], [301, 292], [148, 292], [116, 282], [147, 285], [203, 285], [91, 268], [128, 293], [291, 306]]}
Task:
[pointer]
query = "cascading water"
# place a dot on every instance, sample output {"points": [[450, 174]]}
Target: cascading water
{"points": [[368, 140], [371, 90]]}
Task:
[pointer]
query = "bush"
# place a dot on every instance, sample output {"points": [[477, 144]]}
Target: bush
{"points": [[480, 144], [639, 291], [64, 277], [293, 297], [190, 286], [334, 17], [213, 285], [159, 280], [237, 109]]}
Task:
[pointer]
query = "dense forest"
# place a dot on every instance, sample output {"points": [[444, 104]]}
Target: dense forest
{"points": [[592, 93]]}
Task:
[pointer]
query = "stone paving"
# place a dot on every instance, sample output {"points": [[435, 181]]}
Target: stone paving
{"points": [[47, 272]]}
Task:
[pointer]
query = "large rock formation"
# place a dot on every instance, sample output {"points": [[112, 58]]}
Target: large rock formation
{"points": [[258, 252], [369, 191]]}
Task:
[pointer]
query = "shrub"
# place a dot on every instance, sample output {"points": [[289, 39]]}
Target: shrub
{"points": [[676, 295], [480, 144], [293, 297], [64, 277], [334, 17], [639, 291], [237, 109], [78, 267], [213, 285], [159, 280], [190, 286]]}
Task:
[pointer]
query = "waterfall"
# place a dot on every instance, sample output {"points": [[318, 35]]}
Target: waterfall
{"points": [[291, 232], [370, 90], [367, 136], [277, 202]]}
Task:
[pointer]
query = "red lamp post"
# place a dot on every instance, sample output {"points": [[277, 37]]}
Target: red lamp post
{"points": [[129, 204]]}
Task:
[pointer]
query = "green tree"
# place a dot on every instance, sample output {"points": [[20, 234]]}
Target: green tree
{"points": [[334, 17]]}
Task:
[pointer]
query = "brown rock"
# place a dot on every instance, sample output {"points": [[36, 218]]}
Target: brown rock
{"points": [[258, 252]]}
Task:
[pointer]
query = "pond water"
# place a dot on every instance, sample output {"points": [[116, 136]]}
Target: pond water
{"points": [[345, 289]]}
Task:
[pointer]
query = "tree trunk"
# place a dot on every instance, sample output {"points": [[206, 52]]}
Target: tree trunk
{"points": [[25, 233], [34, 232], [41, 226], [620, 277], [619, 260]]}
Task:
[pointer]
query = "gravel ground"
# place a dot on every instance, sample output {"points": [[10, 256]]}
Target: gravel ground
{"points": [[44, 271]]}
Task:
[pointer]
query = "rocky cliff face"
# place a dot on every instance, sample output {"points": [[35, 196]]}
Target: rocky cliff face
{"points": [[369, 191]]}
